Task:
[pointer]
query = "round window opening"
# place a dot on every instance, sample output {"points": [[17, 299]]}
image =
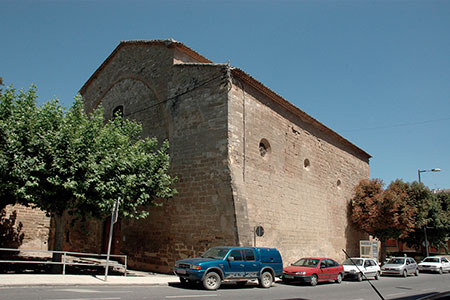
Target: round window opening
{"points": [[307, 164], [264, 148]]}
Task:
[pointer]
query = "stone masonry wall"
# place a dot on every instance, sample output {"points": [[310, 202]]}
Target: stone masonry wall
{"points": [[299, 189], [36, 226], [186, 104]]}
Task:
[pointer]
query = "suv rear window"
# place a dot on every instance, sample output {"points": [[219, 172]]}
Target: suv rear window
{"points": [[249, 254]]}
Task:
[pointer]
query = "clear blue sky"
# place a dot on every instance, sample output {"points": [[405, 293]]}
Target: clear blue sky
{"points": [[376, 72]]}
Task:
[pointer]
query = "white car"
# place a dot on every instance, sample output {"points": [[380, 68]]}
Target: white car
{"points": [[437, 264], [357, 267]]}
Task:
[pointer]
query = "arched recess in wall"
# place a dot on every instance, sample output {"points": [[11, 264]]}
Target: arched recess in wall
{"points": [[140, 102], [117, 112]]}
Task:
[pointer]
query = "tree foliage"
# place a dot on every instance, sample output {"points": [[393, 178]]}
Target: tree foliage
{"points": [[368, 195], [400, 212], [64, 160], [384, 214], [433, 213]]}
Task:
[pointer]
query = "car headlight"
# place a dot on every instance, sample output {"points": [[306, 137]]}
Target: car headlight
{"points": [[300, 273], [195, 267]]}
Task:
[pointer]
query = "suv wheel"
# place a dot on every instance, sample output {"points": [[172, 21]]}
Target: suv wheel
{"points": [[359, 277], [266, 279], [405, 273], [211, 281]]}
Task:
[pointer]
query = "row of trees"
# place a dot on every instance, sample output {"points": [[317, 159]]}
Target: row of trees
{"points": [[67, 161], [62, 160], [401, 211]]}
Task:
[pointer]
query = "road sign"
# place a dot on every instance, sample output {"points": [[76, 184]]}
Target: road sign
{"points": [[259, 231]]}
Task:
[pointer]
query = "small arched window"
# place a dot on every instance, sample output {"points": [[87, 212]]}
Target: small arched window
{"points": [[264, 148], [117, 112]]}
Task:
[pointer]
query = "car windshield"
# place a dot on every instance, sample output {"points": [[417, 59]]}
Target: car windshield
{"points": [[396, 261], [431, 259], [356, 261], [215, 253], [306, 262]]}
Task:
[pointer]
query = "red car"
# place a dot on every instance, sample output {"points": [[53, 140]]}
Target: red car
{"points": [[313, 270]]}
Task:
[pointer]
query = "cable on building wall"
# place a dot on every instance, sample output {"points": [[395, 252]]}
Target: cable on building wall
{"points": [[193, 88]]}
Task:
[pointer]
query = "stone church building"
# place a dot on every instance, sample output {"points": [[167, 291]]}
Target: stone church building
{"points": [[244, 156]]}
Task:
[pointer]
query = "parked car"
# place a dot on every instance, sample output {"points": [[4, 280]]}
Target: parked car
{"points": [[238, 264], [437, 264], [402, 266], [313, 270], [358, 267]]}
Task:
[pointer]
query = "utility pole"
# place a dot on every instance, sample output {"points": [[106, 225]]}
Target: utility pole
{"points": [[114, 216], [425, 227]]}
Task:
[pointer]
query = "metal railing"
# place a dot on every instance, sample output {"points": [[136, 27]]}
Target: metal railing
{"points": [[67, 258]]}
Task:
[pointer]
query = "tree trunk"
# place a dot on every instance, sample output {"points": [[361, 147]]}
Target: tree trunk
{"points": [[59, 242], [383, 251]]}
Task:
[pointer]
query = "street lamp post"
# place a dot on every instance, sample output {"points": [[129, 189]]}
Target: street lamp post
{"points": [[422, 171], [425, 227]]}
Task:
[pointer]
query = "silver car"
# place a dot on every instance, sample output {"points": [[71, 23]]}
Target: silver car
{"points": [[402, 266], [437, 264]]}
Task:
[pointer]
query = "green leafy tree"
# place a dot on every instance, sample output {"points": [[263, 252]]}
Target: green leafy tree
{"points": [[61, 161], [17, 112], [384, 214], [440, 228], [433, 213]]}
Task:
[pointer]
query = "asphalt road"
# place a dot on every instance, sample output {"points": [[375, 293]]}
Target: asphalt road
{"points": [[390, 287]]}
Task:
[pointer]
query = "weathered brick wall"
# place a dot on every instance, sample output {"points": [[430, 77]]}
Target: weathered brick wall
{"points": [[192, 114], [36, 226], [302, 209], [82, 236]]}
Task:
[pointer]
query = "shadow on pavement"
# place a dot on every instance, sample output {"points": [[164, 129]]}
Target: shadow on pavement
{"points": [[427, 296], [36, 268]]}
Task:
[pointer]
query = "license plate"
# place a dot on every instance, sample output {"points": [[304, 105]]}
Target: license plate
{"points": [[288, 276], [181, 271]]}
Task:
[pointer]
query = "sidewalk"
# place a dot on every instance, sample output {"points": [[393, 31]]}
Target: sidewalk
{"points": [[10, 280]]}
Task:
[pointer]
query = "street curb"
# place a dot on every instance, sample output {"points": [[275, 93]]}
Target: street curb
{"points": [[17, 280], [81, 284]]}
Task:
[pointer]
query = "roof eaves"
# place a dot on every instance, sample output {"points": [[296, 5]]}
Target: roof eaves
{"points": [[201, 64]]}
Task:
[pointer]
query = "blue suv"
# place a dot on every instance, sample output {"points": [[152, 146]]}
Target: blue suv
{"points": [[225, 264]]}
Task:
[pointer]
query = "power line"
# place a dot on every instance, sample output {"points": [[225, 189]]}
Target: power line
{"points": [[398, 125], [178, 95]]}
